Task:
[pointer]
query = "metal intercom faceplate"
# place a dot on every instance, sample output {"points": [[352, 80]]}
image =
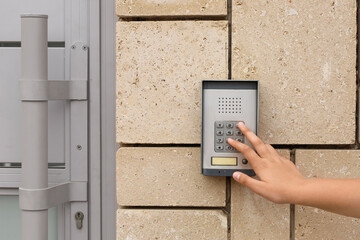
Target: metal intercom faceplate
{"points": [[224, 104]]}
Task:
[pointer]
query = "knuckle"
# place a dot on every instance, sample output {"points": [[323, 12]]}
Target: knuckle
{"points": [[246, 149], [237, 144], [245, 130], [257, 141]]}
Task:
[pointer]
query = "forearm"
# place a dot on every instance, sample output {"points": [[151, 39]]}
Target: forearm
{"points": [[340, 196]]}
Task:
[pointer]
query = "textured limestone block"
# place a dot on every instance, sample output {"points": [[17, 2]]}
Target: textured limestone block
{"points": [[160, 66], [166, 177], [253, 217], [313, 223], [171, 224], [141, 8], [304, 55]]}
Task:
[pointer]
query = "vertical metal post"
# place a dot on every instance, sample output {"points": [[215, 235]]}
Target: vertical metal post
{"points": [[34, 156]]}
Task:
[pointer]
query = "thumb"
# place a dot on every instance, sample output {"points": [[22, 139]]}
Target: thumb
{"points": [[255, 185]]}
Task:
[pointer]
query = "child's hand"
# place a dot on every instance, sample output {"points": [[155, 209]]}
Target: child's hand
{"points": [[279, 177], [281, 182]]}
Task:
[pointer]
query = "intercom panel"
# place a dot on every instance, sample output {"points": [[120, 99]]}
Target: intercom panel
{"points": [[224, 104]]}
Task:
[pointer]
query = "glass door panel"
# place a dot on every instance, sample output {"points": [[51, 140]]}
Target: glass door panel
{"points": [[10, 219]]}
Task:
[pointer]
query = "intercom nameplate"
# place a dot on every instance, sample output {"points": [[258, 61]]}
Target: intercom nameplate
{"points": [[224, 161], [224, 104]]}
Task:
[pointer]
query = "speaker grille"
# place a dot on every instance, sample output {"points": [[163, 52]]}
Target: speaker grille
{"points": [[229, 105]]}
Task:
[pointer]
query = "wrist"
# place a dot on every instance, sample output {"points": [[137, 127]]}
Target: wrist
{"points": [[298, 191], [302, 191]]}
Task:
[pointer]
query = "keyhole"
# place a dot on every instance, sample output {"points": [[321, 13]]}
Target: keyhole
{"points": [[79, 216]]}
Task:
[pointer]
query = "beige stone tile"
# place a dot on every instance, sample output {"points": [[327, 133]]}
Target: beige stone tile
{"points": [[313, 223], [126, 8], [171, 224], [304, 55], [166, 177], [160, 66], [253, 217]]}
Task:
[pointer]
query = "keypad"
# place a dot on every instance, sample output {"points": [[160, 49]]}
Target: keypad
{"points": [[223, 131]]}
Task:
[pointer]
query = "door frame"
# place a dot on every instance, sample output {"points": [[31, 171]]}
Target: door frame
{"points": [[102, 143]]}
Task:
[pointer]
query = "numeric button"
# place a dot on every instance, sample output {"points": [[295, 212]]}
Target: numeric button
{"points": [[238, 133], [219, 140], [230, 148], [219, 147], [219, 125], [219, 133], [229, 132], [229, 125]]}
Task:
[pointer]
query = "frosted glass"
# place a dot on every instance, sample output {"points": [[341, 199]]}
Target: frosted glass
{"points": [[10, 219]]}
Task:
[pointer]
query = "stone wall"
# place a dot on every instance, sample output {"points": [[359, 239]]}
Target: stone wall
{"points": [[304, 55]]}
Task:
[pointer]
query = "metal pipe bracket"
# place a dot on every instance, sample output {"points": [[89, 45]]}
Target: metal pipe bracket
{"points": [[38, 90], [74, 89]]}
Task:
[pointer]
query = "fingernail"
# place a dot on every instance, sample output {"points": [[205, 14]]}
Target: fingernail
{"points": [[230, 140], [241, 124], [236, 175]]}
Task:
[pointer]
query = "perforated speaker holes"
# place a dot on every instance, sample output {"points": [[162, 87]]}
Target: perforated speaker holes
{"points": [[229, 105]]}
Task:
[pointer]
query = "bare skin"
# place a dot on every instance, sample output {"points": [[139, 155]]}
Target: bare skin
{"points": [[281, 182]]}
